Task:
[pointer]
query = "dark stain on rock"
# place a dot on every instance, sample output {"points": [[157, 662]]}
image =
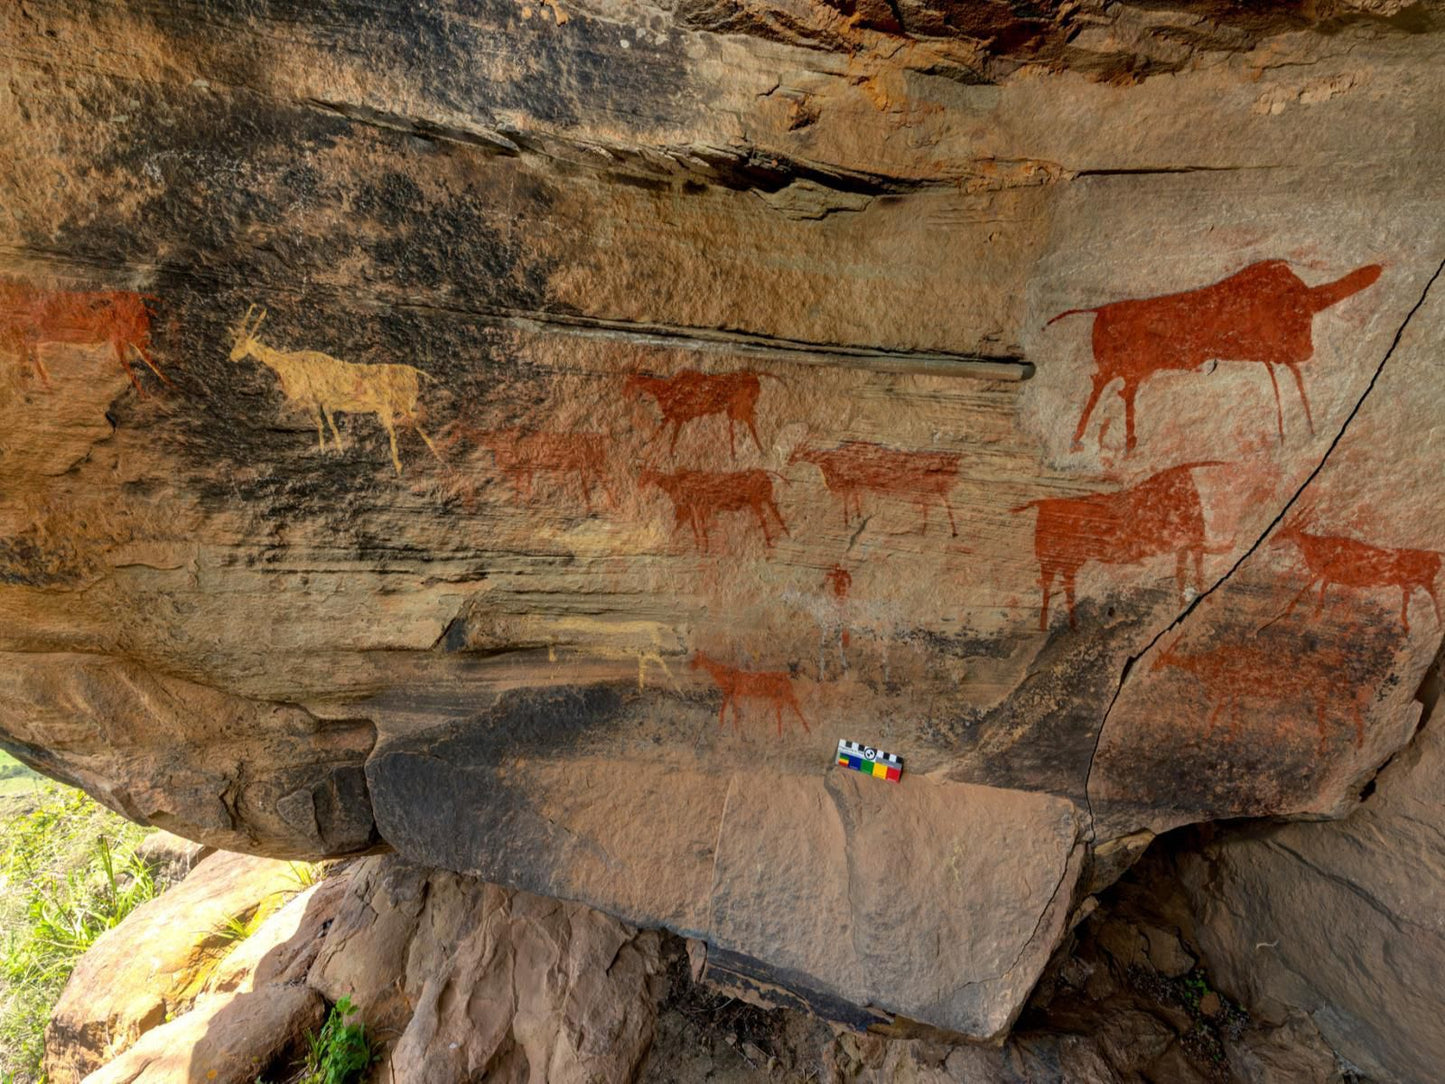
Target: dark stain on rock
{"points": [[468, 778], [1057, 709], [551, 73]]}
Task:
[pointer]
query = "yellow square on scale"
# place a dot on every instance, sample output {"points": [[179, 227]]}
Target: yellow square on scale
{"points": [[879, 771]]}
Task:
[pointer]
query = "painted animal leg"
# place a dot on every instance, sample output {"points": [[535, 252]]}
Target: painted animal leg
{"points": [[119, 345], [778, 711], [425, 439], [150, 364], [676, 431], [753, 429], [762, 518], [1069, 597], [1303, 398], [320, 427], [32, 351], [1320, 605], [1295, 601], [793, 703], [1278, 410], [952, 526], [1046, 581], [331, 422], [1181, 569], [1130, 440], [1100, 383], [1199, 568], [722, 714], [390, 426]]}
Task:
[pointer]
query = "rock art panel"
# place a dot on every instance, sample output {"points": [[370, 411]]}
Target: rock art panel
{"points": [[481, 657]]}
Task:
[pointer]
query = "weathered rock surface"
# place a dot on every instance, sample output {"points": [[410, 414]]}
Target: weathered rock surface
{"points": [[470, 980], [1340, 919], [155, 963], [225, 1038], [365, 380]]}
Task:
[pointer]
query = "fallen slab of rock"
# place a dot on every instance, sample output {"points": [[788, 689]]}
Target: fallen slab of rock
{"points": [[154, 964]]}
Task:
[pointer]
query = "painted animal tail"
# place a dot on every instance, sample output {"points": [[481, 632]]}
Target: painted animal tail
{"points": [[1332, 293], [1029, 504], [1072, 312]]}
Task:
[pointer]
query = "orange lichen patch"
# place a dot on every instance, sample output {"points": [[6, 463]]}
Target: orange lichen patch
{"points": [[774, 687], [1162, 514]]}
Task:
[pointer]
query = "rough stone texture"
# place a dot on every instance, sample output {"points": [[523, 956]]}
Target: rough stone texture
{"points": [[365, 372], [470, 980], [1341, 919], [224, 1038], [155, 963]]}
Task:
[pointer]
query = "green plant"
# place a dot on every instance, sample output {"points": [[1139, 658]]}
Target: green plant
{"points": [[341, 1053], [305, 874], [68, 873]]}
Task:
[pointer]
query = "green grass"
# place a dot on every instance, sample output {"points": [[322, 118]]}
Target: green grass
{"points": [[16, 778], [341, 1054], [67, 874]]}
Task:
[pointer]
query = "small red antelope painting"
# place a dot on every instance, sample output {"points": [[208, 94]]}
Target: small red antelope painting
{"points": [[857, 465], [1349, 563], [689, 395], [1263, 314], [30, 316], [521, 454], [1162, 514], [1233, 675], [698, 496], [774, 687]]}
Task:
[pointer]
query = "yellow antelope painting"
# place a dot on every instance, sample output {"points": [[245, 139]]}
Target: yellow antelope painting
{"points": [[328, 385]]}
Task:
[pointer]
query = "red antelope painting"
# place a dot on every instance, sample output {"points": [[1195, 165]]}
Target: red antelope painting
{"points": [[1263, 314], [1344, 561], [689, 395], [1162, 514], [698, 496], [856, 465], [774, 687], [520, 454], [1234, 675], [30, 316]]}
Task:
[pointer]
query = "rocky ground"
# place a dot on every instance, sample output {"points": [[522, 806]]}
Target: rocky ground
{"points": [[454, 983]]}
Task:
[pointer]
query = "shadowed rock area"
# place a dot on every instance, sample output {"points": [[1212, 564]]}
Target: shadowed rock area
{"points": [[530, 437]]}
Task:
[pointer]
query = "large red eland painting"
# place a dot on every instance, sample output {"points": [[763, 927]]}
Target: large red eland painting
{"points": [[1162, 514], [1263, 314]]}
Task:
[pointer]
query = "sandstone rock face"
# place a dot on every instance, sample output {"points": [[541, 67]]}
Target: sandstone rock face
{"points": [[156, 962], [532, 436], [471, 980], [1341, 919]]}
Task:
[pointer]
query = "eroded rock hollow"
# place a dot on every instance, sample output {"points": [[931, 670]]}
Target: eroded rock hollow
{"points": [[532, 436]]}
